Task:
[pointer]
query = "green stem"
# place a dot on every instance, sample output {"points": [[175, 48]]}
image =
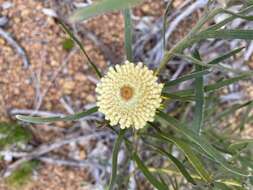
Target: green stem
{"points": [[187, 40], [116, 149], [80, 45]]}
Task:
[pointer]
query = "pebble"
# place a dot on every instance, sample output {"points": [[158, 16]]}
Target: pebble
{"points": [[49, 12], [17, 20], [68, 86], [90, 98], [145, 8], [80, 77], [2, 41], [25, 12], [54, 63], [82, 155], [3, 20], [8, 157], [7, 5], [50, 21]]}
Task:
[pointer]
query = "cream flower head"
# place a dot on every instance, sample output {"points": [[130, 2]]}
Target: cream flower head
{"points": [[129, 95]]}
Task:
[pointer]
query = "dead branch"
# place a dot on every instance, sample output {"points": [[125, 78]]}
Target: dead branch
{"points": [[15, 45], [73, 163], [46, 148]]}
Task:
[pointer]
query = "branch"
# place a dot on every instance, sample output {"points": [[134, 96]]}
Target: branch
{"points": [[14, 44], [46, 148]]}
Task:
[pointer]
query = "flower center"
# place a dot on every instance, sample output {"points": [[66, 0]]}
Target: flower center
{"points": [[126, 92]]}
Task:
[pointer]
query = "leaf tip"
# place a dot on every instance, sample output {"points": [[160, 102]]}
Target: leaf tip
{"points": [[19, 117]]}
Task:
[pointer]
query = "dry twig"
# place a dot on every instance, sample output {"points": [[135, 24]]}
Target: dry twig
{"points": [[15, 45], [46, 148]]}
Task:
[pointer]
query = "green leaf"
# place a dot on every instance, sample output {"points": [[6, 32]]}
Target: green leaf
{"points": [[231, 110], [238, 145], [221, 186], [159, 185], [171, 171], [165, 17], [226, 34], [246, 162], [222, 68], [195, 35], [115, 158], [212, 87], [178, 164], [238, 15], [172, 96], [156, 183], [231, 182], [128, 35], [73, 117], [188, 40], [204, 72], [196, 163], [245, 10], [185, 78], [80, 45], [199, 98], [246, 116], [102, 7], [220, 84], [201, 142], [225, 56]]}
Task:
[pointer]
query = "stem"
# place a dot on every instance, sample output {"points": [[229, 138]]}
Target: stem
{"points": [[187, 40]]}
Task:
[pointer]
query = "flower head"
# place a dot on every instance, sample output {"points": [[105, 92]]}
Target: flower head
{"points": [[129, 95]]}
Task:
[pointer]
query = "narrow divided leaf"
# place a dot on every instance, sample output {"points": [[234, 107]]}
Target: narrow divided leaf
{"points": [[221, 186], [226, 34], [159, 185], [215, 86], [217, 26], [199, 98], [177, 162], [231, 110], [196, 163], [185, 78], [128, 34], [172, 96], [165, 16], [223, 83], [72, 36], [238, 145], [202, 143], [40, 120], [102, 7], [225, 56], [220, 67], [115, 158], [238, 15], [246, 116]]}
